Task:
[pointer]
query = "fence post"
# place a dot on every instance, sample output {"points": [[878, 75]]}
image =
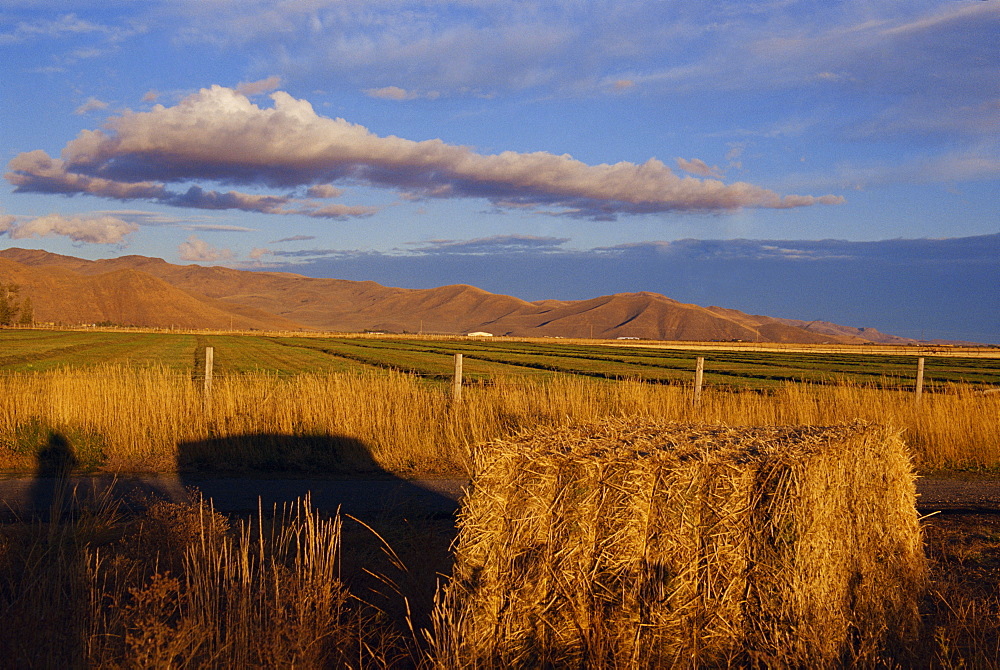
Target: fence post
{"points": [[699, 374], [209, 365], [920, 380], [456, 388]]}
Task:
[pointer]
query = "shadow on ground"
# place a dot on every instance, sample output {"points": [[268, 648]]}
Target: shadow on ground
{"points": [[338, 472], [396, 535], [395, 545], [274, 453], [51, 491]]}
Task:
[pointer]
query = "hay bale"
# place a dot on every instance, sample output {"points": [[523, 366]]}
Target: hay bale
{"points": [[629, 544]]}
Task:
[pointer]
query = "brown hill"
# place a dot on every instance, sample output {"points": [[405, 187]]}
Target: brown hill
{"points": [[868, 334], [126, 297], [650, 316], [139, 290]]}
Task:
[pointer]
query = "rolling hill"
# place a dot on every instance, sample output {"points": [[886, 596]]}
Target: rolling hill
{"points": [[142, 291]]}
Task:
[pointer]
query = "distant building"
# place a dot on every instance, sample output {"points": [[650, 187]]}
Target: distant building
{"points": [[480, 333]]}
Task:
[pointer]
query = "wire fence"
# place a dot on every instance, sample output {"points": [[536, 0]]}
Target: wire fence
{"points": [[513, 360], [689, 376]]}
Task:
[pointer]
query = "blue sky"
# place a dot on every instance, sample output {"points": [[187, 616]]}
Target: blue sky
{"points": [[486, 142]]}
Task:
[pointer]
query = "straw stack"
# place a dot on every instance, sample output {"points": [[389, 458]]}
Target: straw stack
{"points": [[625, 544]]}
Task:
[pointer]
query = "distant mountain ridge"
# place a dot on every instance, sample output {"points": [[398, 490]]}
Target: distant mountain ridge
{"points": [[143, 291]]}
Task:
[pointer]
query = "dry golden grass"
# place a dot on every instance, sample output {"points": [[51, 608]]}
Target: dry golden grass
{"points": [[124, 419], [178, 588], [96, 590], [627, 544], [105, 589]]}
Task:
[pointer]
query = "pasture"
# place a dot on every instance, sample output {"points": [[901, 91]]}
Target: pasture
{"points": [[727, 365]]}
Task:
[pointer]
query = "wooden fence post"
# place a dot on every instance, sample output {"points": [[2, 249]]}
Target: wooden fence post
{"points": [[699, 374], [209, 365], [920, 380], [456, 388]]}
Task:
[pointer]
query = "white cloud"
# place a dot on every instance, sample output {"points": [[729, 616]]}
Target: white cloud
{"points": [[67, 24], [981, 163], [495, 244], [253, 88], [216, 228], [89, 229], [390, 93], [69, 27], [451, 46], [400, 94], [195, 249], [924, 57], [90, 105], [339, 211], [219, 135], [698, 167], [920, 63], [324, 191], [145, 218], [734, 154]]}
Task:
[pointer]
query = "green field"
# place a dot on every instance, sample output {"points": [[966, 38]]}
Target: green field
{"points": [[40, 350]]}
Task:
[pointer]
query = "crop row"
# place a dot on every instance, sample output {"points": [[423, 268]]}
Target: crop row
{"points": [[27, 350]]}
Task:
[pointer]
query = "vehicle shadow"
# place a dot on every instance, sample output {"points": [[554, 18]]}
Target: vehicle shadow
{"points": [[395, 530], [394, 545], [337, 471]]}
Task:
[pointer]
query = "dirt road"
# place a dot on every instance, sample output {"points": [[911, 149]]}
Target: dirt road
{"points": [[22, 497], [937, 493]]}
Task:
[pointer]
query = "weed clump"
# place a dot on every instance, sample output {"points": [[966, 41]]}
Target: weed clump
{"points": [[644, 544]]}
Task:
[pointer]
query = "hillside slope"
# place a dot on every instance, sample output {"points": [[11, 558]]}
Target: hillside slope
{"points": [[139, 290], [127, 297]]}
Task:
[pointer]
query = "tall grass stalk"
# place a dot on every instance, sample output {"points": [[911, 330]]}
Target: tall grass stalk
{"points": [[126, 419], [178, 587]]}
